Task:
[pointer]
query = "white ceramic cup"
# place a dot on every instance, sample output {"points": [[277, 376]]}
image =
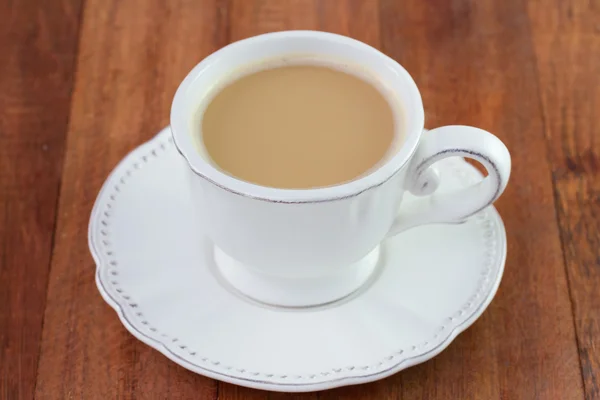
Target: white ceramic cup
{"points": [[309, 247]]}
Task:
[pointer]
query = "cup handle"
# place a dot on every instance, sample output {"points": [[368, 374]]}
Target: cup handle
{"points": [[422, 179]]}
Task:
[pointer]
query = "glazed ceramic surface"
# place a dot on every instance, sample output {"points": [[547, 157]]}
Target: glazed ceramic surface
{"points": [[270, 239], [156, 268]]}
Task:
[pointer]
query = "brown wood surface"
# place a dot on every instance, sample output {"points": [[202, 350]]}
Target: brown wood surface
{"points": [[82, 82], [38, 49]]}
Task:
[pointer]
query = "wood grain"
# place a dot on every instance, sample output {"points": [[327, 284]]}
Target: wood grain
{"points": [[133, 55], [525, 70], [37, 59], [579, 216], [473, 61], [566, 37]]}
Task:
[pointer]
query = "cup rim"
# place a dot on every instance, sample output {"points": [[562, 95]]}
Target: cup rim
{"points": [[204, 169]]}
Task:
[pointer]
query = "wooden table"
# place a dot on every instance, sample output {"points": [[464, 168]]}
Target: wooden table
{"points": [[82, 82]]}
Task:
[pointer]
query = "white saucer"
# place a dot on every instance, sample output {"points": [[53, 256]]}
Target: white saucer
{"points": [[156, 269]]}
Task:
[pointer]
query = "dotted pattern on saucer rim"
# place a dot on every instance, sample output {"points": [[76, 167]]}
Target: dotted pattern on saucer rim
{"points": [[169, 342]]}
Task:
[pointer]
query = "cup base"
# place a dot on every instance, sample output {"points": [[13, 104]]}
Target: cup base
{"points": [[295, 292]]}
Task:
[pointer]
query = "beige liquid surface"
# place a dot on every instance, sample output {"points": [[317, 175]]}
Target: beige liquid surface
{"points": [[298, 127]]}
